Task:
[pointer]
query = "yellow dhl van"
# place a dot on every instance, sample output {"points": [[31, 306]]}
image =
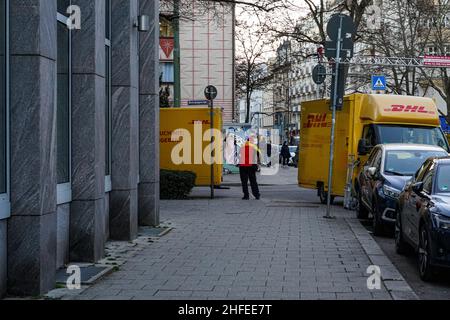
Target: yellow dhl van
{"points": [[365, 121], [177, 120]]}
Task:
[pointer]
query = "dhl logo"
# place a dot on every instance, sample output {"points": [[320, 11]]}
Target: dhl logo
{"points": [[317, 121], [409, 109]]}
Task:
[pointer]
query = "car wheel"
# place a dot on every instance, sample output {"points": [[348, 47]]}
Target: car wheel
{"points": [[426, 270], [400, 245], [361, 211], [324, 196], [378, 228]]}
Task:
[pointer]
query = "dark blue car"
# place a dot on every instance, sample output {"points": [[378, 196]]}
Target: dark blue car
{"points": [[423, 222], [383, 178]]}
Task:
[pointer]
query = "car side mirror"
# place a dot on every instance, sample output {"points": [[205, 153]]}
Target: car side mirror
{"points": [[363, 148], [372, 171], [417, 187]]}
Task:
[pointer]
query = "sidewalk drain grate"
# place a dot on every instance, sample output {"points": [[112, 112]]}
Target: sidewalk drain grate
{"points": [[89, 274], [154, 232]]}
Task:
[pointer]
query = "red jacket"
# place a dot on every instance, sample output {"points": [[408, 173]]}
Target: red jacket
{"points": [[249, 155]]}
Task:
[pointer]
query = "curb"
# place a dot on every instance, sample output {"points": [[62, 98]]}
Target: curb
{"points": [[394, 282]]}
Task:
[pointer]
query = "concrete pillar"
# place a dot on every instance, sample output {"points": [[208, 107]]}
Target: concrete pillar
{"points": [[32, 226], [125, 121], [87, 231], [3, 258], [149, 117]]}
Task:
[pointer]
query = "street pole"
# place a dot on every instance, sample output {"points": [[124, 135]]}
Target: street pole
{"points": [[333, 122], [212, 146]]}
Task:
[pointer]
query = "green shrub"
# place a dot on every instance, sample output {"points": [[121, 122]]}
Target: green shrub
{"points": [[176, 185]]}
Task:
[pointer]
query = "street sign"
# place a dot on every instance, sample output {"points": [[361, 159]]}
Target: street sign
{"points": [[348, 26], [198, 102], [437, 61], [211, 93], [319, 74], [340, 91], [346, 38], [379, 83]]}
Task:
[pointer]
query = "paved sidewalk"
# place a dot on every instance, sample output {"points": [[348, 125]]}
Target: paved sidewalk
{"points": [[277, 248]]}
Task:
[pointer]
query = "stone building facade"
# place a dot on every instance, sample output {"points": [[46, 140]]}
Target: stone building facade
{"points": [[79, 121]]}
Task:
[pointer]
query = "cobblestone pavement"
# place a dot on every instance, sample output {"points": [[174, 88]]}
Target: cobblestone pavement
{"points": [[277, 248]]}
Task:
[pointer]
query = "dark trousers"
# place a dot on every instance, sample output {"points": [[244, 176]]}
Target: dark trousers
{"points": [[286, 161], [249, 173]]}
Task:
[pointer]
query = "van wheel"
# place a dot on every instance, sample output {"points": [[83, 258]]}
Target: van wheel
{"points": [[361, 211], [323, 195]]}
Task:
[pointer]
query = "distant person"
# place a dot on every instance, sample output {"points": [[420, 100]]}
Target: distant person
{"points": [[248, 166], [269, 154], [285, 154]]}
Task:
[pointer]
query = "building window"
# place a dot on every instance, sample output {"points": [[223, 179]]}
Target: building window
{"points": [[108, 97], [4, 112], [167, 72], [63, 107], [165, 28]]}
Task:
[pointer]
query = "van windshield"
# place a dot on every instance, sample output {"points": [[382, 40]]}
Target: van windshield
{"points": [[412, 135]]}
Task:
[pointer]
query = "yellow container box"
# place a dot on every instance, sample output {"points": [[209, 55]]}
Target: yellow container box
{"points": [[185, 142]]}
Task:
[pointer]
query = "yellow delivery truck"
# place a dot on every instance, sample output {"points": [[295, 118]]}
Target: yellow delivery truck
{"points": [[185, 142], [365, 121]]}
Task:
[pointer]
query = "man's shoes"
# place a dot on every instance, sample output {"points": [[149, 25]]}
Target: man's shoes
{"points": [[246, 198], [258, 198]]}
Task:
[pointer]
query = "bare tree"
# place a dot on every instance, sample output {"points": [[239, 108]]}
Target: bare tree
{"points": [[403, 33], [251, 68]]}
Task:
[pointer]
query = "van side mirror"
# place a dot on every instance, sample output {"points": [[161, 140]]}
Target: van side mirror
{"points": [[363, 148], [417, 187]]}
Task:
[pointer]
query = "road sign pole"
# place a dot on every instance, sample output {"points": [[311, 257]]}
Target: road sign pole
{"points": [[333, 122], [212, 148], [211, 94]]}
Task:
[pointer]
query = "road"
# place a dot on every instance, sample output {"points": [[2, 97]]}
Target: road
{"points": [[407, 265]]}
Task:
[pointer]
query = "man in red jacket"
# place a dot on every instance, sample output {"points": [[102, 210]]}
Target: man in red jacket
{"points": [[248, 166]]}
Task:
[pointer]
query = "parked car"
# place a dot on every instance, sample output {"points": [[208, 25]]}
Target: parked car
{"points": [[423, 219], [383, 178]]}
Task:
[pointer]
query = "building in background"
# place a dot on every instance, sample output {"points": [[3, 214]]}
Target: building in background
{"points": [[205, 34], [166, 58], [79, 128]]}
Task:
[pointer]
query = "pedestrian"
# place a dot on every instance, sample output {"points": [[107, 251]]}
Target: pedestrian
{"points": [[248, 166], [285, 154], [269, 153]]}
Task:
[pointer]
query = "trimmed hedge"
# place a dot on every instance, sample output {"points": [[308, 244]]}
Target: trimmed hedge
{"points": [[176, 185]]}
